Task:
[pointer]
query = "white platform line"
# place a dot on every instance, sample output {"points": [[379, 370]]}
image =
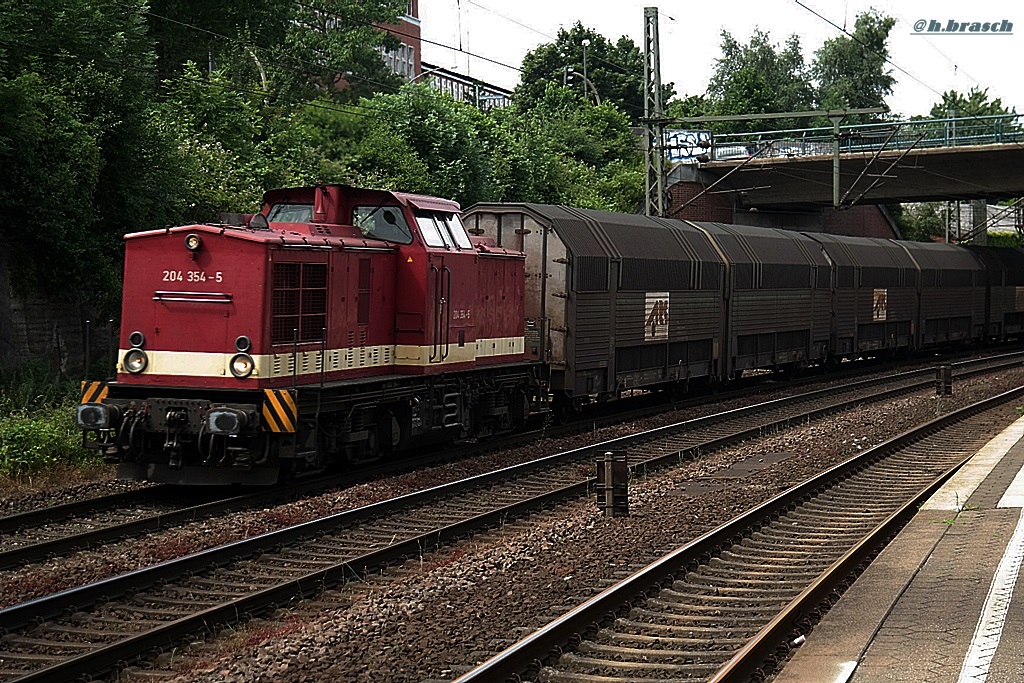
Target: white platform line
{"points": [[993, 616], [955, 492], [1013, 497]]}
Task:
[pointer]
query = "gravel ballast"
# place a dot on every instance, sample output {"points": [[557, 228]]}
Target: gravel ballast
{"points": [[434, 616]]}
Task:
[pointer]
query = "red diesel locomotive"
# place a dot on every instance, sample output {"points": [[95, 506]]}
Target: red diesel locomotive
{"points": [[338, 324]]}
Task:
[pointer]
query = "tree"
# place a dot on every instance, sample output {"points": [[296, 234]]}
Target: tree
{"points": [[576, 154], [850, 72], [689, 106], [82, 161], [919, 222], [420, 140], [290, 49], [974, 103], [338, 46], [615, 71], [562, 151], [759, 78]]}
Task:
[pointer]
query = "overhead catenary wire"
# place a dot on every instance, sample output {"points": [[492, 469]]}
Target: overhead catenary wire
{"points": [[621, 68], [355, 109], [884, 57], [398, 32]]}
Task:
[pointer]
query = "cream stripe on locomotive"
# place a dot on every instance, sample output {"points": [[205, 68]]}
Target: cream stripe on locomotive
{"points": [[183, 363]]}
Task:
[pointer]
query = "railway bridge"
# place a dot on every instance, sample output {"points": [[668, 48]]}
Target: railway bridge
{"points": [[789, 176]]}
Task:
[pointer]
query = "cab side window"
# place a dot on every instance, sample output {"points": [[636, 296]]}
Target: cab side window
{"points": [[457, 230], [443, 230], [434, 235]]}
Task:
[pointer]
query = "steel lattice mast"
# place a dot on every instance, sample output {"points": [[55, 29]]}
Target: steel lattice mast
{"points": [[653, 117]]}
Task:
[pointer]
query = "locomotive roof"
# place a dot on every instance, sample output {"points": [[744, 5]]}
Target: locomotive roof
{"points": [[419, 201], [265, 236]]}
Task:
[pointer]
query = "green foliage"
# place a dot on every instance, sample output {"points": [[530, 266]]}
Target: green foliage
{"points": [[33, 387], [692, 105], [759, 78], [587, 151], [282, 49], [37, 424], [1005, 239], [82, 161], [974, 103], [851, 73], [230, 146], [331, 135], [424, 141], [615, 71], [94, 145], [919, 222], [39, 441], [337, 44]]}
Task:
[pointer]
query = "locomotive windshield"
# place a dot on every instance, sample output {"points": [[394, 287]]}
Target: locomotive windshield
{"points": [[291, 213], [382, 223], [443, 230]]}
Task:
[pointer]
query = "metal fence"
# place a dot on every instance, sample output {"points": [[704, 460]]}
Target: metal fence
{"points": [[870, 137]]}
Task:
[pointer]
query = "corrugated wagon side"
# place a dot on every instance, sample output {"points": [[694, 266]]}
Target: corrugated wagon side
{"points": [[952, 291], [1005, 290], [613, 302], [875, 295], [778, 298]]}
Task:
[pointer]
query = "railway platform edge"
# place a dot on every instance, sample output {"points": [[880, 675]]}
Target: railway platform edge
{"points": [[942, 602]]}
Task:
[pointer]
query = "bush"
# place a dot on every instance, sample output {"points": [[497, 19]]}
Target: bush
{"points": [[48, 438], [37, 423]]}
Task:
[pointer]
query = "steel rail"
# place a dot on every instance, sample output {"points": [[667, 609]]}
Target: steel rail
{"points": [[112, 656], [78, 507], [17, 616], [107, 657], [751, 656], [37, 551], [550, 639], [40, 516]]}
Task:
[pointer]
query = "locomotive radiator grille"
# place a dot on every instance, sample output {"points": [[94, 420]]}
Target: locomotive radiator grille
{"points": [[309, 362]]}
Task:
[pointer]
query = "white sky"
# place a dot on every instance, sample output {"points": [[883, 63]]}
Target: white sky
{"points": [[690, 39]]}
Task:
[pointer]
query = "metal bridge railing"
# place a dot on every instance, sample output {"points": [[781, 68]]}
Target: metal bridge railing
{"points": [[869, 137]]}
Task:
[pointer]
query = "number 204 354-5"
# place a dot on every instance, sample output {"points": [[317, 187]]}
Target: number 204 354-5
{"points": [[192, 276]]}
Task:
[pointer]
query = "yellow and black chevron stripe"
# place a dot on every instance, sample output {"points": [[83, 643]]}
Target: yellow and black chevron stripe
{"points": [[280, 413], [94, 392]]}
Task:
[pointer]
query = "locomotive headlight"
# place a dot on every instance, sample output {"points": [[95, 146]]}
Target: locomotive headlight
{"points": [[96, 416], [226, 421], [242, 365], [243, 344], [137, 339], [192, 242], [135, 361]]}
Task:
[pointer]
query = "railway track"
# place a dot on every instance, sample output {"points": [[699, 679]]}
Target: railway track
{"points": [[97, 627], [56, 531], [51, 532], [723, 607]]}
